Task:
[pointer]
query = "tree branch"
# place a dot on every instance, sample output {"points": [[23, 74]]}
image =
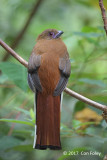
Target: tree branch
{"points": [[67, 90], [23, 30], [85, 100], [103, 12], [13, 53]]}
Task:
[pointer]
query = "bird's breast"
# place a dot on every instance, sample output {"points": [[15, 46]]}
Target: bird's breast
{"points": [[53, 47]]}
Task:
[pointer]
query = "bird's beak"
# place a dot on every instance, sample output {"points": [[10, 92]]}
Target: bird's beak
{"points": [[58, 34]]}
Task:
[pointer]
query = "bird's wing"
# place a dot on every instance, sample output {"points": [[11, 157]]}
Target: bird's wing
{"points": [[33, 78], [65, 70]]}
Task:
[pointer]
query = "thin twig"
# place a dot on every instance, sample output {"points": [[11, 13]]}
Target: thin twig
{"points": [[13, 53], [103, 12], [67, 90], [23, 30], [7, 86], [85, 100]]}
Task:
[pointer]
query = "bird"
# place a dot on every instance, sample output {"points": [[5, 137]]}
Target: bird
{"points": [[49, 69]]}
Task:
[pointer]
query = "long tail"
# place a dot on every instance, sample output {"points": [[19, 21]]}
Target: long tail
{"points": [[47, 122]]}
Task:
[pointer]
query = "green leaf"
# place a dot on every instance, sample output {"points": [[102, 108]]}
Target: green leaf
{"points": [[77, 124], [92, 81], [3, 78], [79, 106], [65, 130], [87, 35], [23, 134], [7, 142], [23, 131], [32, 114], [97, 132], [23, 148], [104, 91], [16, 73], [64, 127], [72, 60], [30, 120], [16, 121], [104, 124], [90, 29], [22, 110]]}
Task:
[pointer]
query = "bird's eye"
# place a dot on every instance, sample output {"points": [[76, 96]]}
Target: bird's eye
{"points": [[50, 33]]}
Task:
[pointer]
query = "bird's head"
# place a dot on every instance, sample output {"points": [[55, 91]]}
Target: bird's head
{"points": [[50, 34]]}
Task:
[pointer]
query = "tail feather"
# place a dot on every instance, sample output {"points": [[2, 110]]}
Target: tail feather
{"points": [[47, 122]]}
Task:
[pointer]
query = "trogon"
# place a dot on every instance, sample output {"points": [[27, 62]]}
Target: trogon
{"points": [[48, 72]]}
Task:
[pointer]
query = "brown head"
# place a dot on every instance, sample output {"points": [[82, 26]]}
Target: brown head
{"points": [[50, 34]]}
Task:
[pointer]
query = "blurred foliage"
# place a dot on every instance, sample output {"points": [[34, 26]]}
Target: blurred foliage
{"points": [[87, 46]]}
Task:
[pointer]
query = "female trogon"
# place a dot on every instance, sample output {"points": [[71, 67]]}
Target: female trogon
{"points": [[48, 72]]}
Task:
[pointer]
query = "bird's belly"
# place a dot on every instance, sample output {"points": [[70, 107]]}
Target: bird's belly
{"points": [[49, 74]]}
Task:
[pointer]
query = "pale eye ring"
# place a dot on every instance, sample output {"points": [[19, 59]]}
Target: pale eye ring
{"points": [[51, 33]]}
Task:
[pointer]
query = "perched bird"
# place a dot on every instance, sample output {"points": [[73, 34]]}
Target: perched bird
{"points": [[48, 72]]}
